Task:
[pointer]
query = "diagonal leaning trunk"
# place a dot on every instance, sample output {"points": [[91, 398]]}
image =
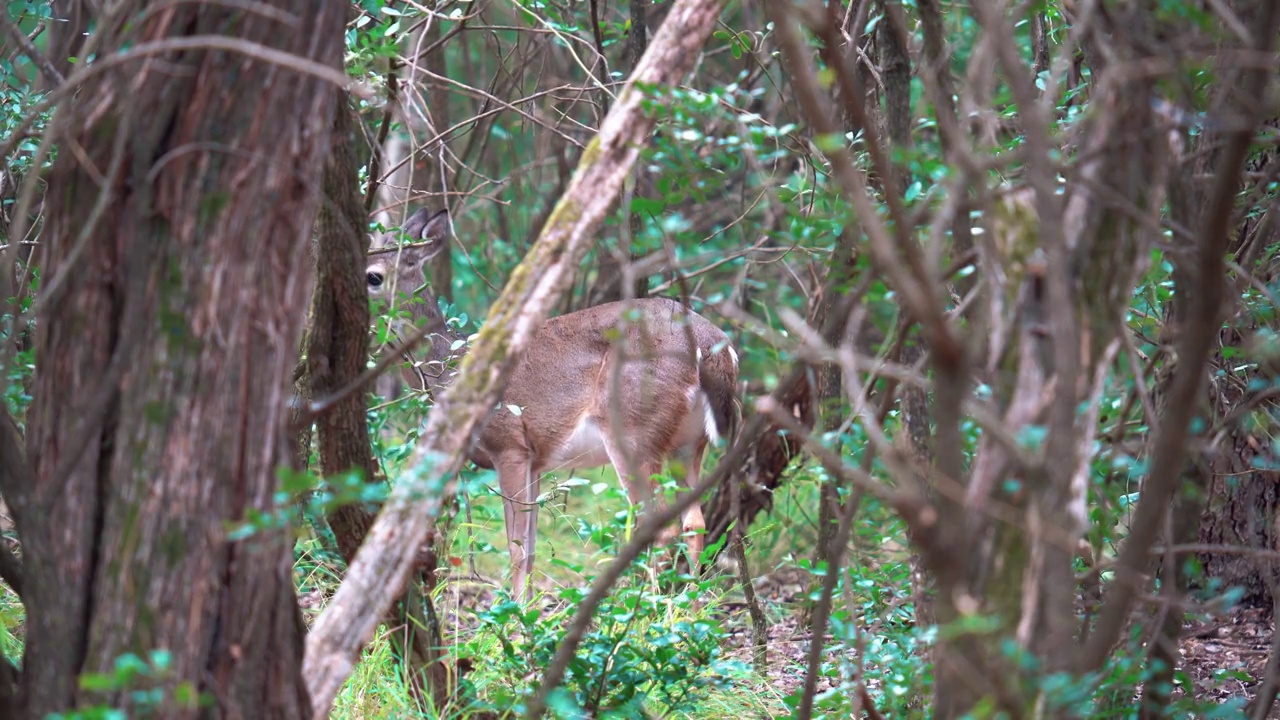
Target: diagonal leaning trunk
{"points": [[175, 277]]}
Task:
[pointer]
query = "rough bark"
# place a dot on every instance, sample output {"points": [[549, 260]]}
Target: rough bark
{"points": [[383, 564], [1242, 510], [175, 278], [1243, 495], [338, 340], [336, 349]]}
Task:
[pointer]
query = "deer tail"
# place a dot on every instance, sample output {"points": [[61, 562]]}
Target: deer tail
{"points": [[718, 376]]}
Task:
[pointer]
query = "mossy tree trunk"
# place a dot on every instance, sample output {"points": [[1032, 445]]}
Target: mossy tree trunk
{"points": [[174, 285], [1052, 355]]}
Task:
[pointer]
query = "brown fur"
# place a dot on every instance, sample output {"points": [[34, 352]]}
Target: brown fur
{"points": [[618, 381]]}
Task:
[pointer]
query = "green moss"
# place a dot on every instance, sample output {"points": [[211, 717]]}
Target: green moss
{"points": [[174, 546], [211, 206], [172, 312], [1016, 230]]}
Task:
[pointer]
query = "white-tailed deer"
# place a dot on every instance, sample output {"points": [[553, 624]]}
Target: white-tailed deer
{"points": [[629, 383]]}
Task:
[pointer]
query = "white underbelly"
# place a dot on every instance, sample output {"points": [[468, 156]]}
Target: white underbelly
{"points": [[583, 449]]}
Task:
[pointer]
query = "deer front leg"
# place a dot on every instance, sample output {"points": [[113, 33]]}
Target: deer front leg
{"points": [[519, 490]]}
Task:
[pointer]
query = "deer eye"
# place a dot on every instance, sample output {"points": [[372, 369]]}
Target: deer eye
{"points": [[374, 278]]}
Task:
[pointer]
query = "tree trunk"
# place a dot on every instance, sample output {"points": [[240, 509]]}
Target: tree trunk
{"points": [[336, 351], [1242, 513], [174, 288], [1244, 496], [339, 337]]}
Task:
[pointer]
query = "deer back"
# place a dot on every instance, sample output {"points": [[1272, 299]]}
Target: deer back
{"points": [[650, 371]]}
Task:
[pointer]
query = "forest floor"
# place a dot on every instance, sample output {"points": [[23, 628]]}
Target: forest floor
{"points": [[1225, 657]]}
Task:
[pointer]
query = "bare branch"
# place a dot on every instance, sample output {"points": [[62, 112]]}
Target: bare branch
{"points": [[31, 51], [917, 292], [1207, 303], [194, 42]]}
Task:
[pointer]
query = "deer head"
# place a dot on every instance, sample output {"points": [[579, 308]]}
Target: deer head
{"points": [[397, 280]]}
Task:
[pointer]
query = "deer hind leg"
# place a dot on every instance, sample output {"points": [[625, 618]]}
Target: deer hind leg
{"points": [[692, 525], [519, 489], [640, 486], [642, 489]]}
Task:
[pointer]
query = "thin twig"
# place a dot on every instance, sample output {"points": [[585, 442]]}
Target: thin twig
{"points": [[909, 279], [319, 406], [32, 52], [380, 144], [835, 556]]}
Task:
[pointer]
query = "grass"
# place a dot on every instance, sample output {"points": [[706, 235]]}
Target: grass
{"points": [[12, 621], [579, 532], [583, 520], [646, 640]]}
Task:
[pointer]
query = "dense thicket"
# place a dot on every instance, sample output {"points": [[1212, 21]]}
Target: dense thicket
{"points": [[1001, 279]]}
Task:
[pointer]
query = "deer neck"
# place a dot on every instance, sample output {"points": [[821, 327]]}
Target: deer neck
{"points": [[432, 361]]}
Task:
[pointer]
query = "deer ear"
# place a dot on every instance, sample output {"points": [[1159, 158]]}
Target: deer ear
{"points": [[436, 229], [413, 226], [431, 230]]}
